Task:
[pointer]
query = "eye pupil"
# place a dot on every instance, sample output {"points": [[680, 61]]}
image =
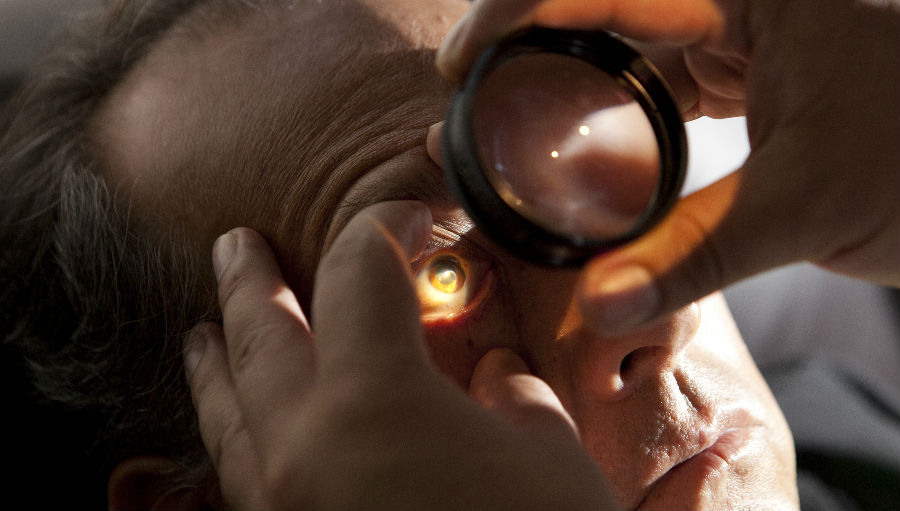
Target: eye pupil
{"points": [[447, 275]]}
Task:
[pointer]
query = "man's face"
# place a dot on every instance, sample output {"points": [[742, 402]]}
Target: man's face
{"points": [[296, 119]]}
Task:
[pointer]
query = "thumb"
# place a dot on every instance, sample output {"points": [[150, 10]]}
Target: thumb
{"points": [[680, 22], [711, 239], [503, 384]]}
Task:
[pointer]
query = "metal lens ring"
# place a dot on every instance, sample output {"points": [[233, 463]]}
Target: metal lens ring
{"points": [[562, 144]]}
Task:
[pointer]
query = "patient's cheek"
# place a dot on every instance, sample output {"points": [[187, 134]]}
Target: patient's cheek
{"points": [[458, 342], [454, 353], [459, 310]]}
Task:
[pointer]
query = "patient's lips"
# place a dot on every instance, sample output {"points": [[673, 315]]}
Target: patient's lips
{"points": [[653, 407], [696, 481]]}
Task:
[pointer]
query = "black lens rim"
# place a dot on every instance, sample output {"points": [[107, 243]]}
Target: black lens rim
{"points": [[470, 183]]}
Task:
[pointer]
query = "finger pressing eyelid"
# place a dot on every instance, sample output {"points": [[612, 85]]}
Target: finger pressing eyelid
{"points": [[365, 311], [503, 383]]}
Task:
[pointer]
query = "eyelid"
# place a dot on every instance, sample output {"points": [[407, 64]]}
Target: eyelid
{"points": [[445, 237]]}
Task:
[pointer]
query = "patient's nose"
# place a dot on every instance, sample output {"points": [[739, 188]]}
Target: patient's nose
{"points": [[563, 350], [612, 368]]}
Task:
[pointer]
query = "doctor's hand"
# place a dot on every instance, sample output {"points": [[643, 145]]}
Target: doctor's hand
{"points": [[350, 413], [818, 83]]}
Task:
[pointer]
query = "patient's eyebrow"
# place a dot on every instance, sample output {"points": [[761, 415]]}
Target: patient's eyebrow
{"points": [[426, 185], [413, 178]]}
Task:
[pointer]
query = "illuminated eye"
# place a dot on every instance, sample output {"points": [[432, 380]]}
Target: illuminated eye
{"points": [[446, 275], [441, 286]]}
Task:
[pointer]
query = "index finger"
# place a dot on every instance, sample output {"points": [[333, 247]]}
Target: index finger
{"points": [[679, 22], [365, 312]]}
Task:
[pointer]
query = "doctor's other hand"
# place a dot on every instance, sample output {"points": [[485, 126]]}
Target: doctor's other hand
{"points": [[350, 413], [818, 83]]}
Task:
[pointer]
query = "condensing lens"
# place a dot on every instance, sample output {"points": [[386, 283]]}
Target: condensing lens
{"points": [[566, 145]]}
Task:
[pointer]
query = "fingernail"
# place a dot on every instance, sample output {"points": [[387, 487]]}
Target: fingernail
{"points": [[193, 351], [223, 252], [615, 301], [433, 143], [434, 131]]}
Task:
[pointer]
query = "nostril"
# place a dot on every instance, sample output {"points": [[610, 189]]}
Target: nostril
{"points": [[625, 366], [643, 361]]}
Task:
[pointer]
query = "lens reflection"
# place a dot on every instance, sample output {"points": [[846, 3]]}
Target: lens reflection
{"points": [[566, 145]]}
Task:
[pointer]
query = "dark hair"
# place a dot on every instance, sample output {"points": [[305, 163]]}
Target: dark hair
{"points": [[95, 303]]}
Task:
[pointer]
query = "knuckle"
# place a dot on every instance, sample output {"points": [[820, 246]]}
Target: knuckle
{"points": [[229, 444], [250, 340], [232, 282], [200, 385], [368, 240], [198, 369], [204, 330]]}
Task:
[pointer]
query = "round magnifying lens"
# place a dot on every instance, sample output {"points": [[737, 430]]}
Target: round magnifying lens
{"points": [[562, 144]]}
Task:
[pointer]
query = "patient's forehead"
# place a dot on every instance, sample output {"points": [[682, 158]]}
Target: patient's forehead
{"points": [[244, 123]]}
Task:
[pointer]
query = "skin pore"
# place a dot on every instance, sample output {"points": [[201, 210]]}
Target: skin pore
{"points": [[295, 119]]}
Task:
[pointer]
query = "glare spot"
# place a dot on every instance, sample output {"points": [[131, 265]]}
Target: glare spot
{"points": [[554, 154], [447, 276], [584, 130]]}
